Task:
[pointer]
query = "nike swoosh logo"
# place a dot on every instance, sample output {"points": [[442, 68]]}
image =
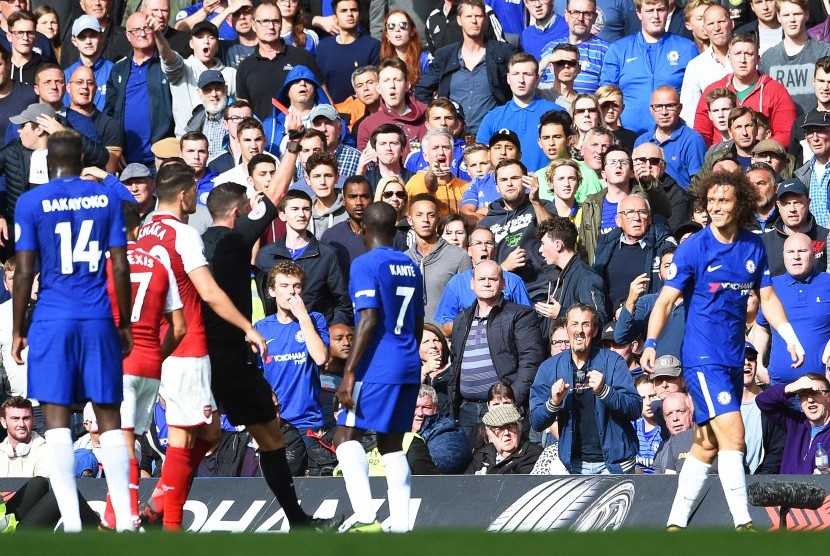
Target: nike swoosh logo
{"points": [[627, 60], [711, 268]]}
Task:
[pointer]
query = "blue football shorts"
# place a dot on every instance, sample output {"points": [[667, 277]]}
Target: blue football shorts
{"points": [[381, 407], [714, 389], [72, 361]]}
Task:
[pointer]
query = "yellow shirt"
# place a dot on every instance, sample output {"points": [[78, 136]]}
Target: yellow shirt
{"points": [[448, 194]]}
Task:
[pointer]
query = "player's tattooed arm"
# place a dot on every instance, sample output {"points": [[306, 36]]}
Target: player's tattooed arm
{"points": [[362, 336]]}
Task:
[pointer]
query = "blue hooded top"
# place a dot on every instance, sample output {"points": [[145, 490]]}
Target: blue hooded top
{"points": [[274, 125]]}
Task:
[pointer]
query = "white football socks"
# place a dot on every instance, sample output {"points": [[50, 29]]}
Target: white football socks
{"points": [[355, 468], [733, 481], [116, 464], [689, 486], [62, 477], [399, 486]]}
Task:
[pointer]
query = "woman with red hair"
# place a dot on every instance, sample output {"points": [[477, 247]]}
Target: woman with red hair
{"points": [[400, 38]]}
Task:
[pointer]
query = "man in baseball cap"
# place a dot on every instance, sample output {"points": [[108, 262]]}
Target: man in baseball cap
{"points": [[793, 202], [504, 144], [667, 376], [816, 126], [772, 153]]}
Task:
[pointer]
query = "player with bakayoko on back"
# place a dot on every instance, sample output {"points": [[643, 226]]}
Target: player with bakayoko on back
{"points": [[64, 228]]}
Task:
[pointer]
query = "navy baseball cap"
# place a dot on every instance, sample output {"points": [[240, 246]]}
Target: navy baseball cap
{"points": [[209, 77], [814, 118], [792, 185], [205, 26], [505, 134], [750, 347]]}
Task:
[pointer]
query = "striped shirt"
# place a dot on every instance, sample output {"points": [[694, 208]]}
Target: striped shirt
{"points": [[649, 443], [591, 54], [477, 371]]}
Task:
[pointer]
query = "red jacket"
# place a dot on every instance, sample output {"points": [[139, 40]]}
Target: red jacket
{"points": [[769, 97], [411, 123]]}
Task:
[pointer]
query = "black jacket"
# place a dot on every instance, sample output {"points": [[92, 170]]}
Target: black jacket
{"points": [[445, 63], [657, 239], [228, 252], [774, 242], [578, 283], [15, 163], [325, 289], [681, 202], [16, 160], [520, 462], [516, 348]]}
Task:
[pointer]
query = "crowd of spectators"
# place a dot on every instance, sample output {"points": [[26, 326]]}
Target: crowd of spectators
{"points": [[543, 158]]}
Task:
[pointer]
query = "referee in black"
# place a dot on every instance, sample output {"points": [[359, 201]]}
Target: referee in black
{"points": [[238, 384]]}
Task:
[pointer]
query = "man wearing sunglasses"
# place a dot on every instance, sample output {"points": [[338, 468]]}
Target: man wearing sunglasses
{"points": [[650, 165], [684, 148]]}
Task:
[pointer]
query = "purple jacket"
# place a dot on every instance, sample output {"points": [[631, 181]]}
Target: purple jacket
{"points": [[799, 450], [820, 32]]}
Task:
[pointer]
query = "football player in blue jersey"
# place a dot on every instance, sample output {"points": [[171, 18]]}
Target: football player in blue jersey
{"points": [[715, 270], [65, 228], [382, 375]]}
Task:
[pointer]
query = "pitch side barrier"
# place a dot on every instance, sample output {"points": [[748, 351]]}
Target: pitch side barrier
{"points": [[484, 503]]}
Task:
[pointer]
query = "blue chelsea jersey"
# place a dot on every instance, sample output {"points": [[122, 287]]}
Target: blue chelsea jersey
{"points": [[716, 279], [387, 280], [70, 223]]}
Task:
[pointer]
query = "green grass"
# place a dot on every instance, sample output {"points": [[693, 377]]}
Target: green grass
{"points": [[421, 543]]}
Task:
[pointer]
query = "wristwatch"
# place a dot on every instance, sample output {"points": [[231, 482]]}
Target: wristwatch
{"points": [[294, 147]]}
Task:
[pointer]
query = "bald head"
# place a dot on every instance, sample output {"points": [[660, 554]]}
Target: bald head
{"points": [[488, 282], [799, 257], [82, 87], [649, 161]]}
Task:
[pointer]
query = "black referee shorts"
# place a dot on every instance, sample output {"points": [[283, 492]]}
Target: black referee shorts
{"points": [[239, 386]]}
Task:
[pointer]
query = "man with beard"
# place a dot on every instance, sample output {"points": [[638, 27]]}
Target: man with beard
{"points": [[207, 116], [589, 392], [345, 237]]}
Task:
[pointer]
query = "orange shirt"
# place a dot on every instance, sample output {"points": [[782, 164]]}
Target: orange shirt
{"points": [[448, 193], [353, 107]]}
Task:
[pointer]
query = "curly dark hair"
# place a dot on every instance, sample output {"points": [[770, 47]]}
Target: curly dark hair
{"points": [[747, 196], [558, 227]]}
